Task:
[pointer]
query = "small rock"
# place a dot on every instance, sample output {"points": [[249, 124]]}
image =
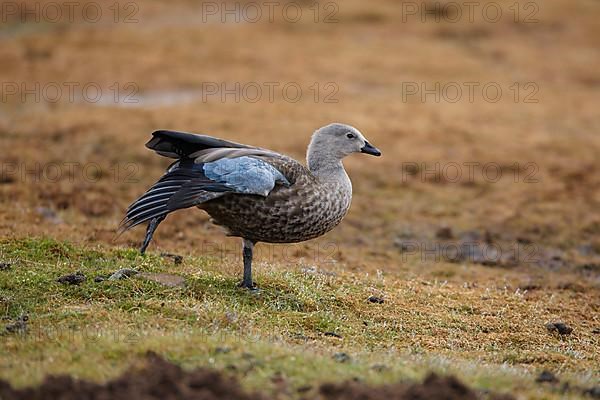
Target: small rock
{"points": [[589, 267], [333, 334], [341, 357], [444, 233], [177, 259], [100, 278], [587, 250], [546, 376], [299, 336], [222, 350], [593, 392], [523, 240], [375, 299], [49, 215], [379, 367], [560, 327], [530, 285], [72, 279], [19, 326], [122, 273], [4, 266], [304, 389], [550, 259]]}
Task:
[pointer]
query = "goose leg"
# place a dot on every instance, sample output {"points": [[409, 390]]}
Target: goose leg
{"points": [[248, 246], [150, 231]]}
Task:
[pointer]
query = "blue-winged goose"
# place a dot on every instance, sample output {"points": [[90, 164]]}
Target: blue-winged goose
{"points": [[256, 194]]}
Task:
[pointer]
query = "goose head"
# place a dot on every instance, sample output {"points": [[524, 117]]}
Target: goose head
{"points": [[333, 142]]}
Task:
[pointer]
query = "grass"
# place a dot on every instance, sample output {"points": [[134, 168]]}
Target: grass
{"points": [[491, 337], [484, 324]]}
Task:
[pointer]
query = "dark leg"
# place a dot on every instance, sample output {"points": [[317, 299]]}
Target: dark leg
{"points": [[150, 231], [248, 246]]}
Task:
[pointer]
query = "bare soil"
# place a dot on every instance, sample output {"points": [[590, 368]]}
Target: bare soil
{"points": [[161, 380]]}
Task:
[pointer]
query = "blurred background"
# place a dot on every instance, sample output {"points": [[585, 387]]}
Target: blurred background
{"points": [[487, 114]]}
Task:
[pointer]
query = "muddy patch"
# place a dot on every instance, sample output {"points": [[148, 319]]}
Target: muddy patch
{"points": [[160, 379], [72, 279], [494, 249]]}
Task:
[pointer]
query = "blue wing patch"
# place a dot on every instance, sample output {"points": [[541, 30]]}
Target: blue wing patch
{"points": [[245, 174]]}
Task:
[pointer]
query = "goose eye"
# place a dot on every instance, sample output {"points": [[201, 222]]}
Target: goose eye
{"points": [[350, 136]]}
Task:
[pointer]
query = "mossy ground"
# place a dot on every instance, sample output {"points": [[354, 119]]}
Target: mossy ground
{"points": [[492, 337]]}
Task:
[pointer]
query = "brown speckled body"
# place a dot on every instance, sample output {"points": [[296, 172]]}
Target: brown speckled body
{"points": [[311, 206]]}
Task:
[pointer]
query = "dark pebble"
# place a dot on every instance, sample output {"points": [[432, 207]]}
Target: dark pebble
{"points": [[529, 286], [341, 357], [546, 376], [375, 299], [444, 233], [524, 240], [560, 327], [99, 278], [379, 367], [4, 266], [333, 334], [177, 259], [72, 279], [590, 267], [222, 350], [593, 392], [304, 389], [19, 326]]}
